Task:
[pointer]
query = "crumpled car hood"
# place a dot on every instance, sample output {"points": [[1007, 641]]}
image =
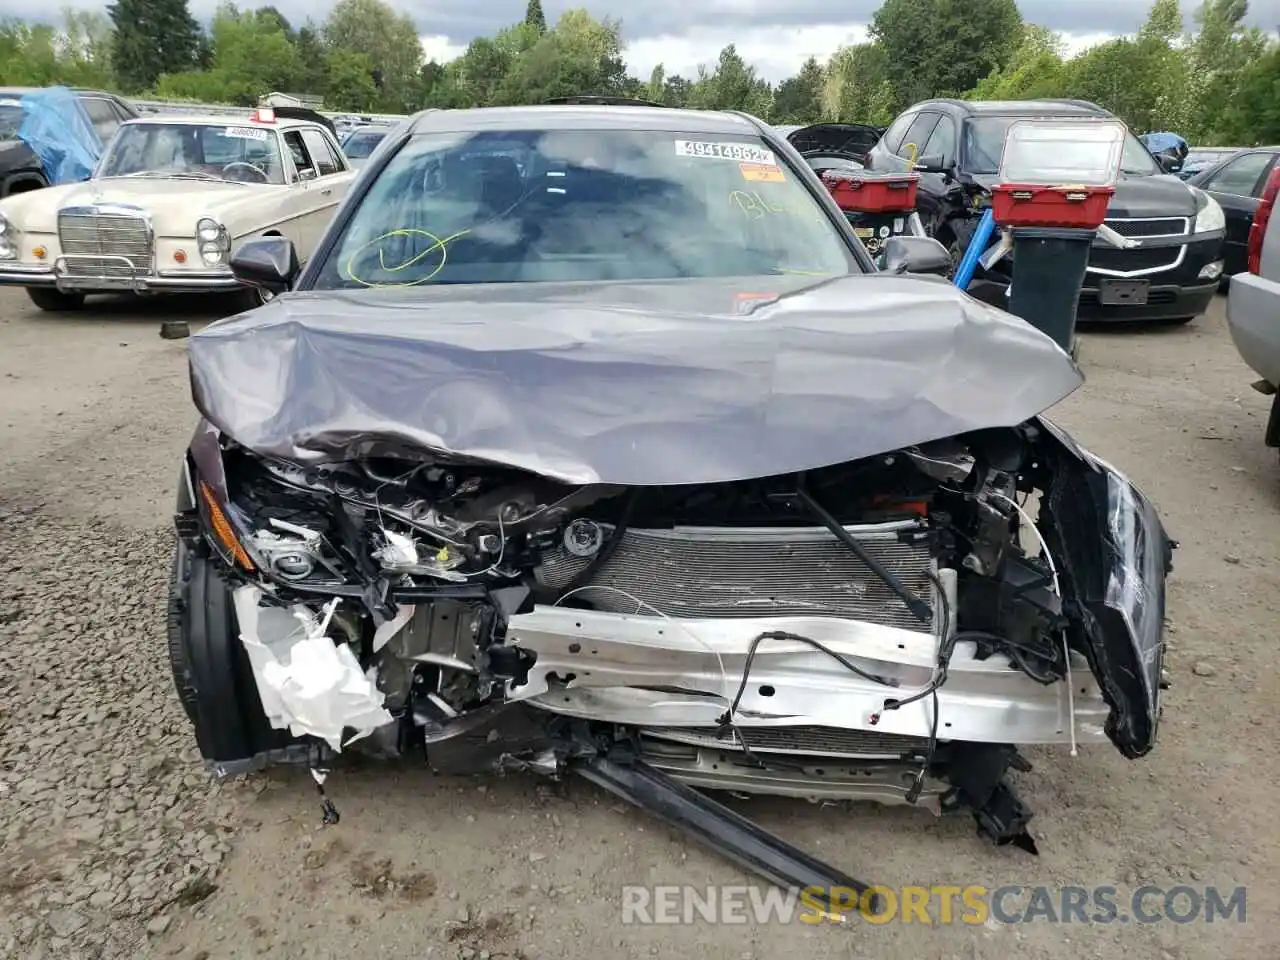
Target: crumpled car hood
{"points": [[625, 383]]}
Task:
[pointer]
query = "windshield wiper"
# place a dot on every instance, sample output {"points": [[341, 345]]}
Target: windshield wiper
{"points": [[178, 175]]}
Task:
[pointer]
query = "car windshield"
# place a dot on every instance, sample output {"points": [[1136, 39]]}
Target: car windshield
{"points": [[239, 154], [582, 205], [984, 144], [359, 145]]}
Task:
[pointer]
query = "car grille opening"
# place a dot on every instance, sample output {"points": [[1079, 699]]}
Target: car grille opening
{"points": [[109, 246], [754, 572], [1163, 227], [1148, 258]]}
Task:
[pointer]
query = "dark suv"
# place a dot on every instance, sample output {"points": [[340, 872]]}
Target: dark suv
{"points": [[1173, 273], [20, 169]]}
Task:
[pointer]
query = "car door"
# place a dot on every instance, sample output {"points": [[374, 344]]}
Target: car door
{"points": [[883, 155], [913, 142], [297, 217], [1237, 186], [333, 179], [934, 185]]}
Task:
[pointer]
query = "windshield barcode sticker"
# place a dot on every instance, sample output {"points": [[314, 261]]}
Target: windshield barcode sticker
{"points": [[762, 172], [741, 152], [245, 133]]}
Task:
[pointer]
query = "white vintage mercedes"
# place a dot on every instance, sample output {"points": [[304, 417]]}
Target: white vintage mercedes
{"points": [[168, 200]]}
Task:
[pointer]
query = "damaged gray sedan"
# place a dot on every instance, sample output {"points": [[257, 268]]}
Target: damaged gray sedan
{"points": [[591, 441]]}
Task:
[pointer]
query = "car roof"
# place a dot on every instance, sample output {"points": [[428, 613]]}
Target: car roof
{"points": [[229, 120], [1015, 108], [584, 117], [23, 91]]}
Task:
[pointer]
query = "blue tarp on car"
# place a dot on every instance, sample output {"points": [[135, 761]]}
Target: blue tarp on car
{"points": [[1158, 142], [59, 132]]}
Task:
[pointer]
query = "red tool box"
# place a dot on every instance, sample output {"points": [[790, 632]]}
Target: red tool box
{"points": [[1036, 205], [865, 191]]}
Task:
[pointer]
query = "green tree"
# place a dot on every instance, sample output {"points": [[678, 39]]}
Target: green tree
{"points": [[581, 55], [480, 72], [732, 85], [1147, 81], [312, 69], [1164, 22], [1252, 116], [1034, 71], [798, 99], [858, 87], [676, 92], [152, 37], [78, 54], [534, 17], [656, 88], [252, 56], [944, 47], [1225, 57], [388, 39], [270, 14], [349, 81]]}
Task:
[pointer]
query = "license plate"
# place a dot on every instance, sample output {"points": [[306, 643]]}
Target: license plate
{"points": [[1122, 292]]}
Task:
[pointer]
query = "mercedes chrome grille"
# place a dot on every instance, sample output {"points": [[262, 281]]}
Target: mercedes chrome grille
{"points": [[105, 243]]}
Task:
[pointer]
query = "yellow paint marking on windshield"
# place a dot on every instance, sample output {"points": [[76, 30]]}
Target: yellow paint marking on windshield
{"points": [[752, 204], [438, 245], [755, 206]]}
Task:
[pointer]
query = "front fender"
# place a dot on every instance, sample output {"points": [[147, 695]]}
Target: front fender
{"points": [[1114, 556]]}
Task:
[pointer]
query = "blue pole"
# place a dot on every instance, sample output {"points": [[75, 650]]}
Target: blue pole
{"points": [[977, 247]]}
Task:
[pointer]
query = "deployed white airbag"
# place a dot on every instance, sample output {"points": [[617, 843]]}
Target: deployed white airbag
{"points": [[307, 683]]}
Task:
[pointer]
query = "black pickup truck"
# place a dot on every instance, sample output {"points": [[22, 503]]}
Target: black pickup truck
{"points": [[20, 169], [956, 146]]}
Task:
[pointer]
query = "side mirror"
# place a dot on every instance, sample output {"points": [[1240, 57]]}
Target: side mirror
{"points": [[916, 255], [1169, 161], [934, 163], [267, 262]]}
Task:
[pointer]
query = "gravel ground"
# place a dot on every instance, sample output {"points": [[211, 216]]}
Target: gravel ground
{"points": [[114, 842]]}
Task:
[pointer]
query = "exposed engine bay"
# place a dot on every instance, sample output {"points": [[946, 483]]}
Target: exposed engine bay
{"points": [[891, 628]]}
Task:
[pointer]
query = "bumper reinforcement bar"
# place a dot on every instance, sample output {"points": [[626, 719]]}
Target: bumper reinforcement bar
{"points": [[716, 826]]}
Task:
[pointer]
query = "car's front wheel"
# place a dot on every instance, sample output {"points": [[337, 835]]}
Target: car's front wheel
{"points": [[55, 301], [250, 298]]}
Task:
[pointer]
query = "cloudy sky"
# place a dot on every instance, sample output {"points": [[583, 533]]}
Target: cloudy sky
{"points": [[775, 35]]}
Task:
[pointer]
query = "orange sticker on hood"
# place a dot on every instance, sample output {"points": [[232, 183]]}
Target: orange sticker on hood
{"points": [[762, 172]]}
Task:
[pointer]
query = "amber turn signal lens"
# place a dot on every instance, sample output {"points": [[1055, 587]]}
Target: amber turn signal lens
{"points": [[40, 253], [180, 256], [222, 528]]}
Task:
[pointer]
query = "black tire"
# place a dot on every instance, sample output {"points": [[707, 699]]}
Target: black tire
{"points": [[250, 298], [211, 670], [948, 239], [55, 301]]}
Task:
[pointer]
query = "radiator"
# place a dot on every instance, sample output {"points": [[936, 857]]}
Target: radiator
{"points": [[800, 740], [754, 572]]}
